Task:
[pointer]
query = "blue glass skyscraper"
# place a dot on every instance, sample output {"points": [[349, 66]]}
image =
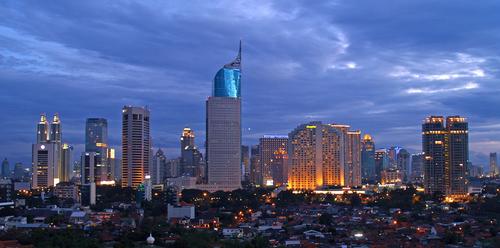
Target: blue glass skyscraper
{"points": [[223, 142], [227, 81]]}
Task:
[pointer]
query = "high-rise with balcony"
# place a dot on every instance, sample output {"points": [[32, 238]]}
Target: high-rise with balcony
{"points": [[223, 128], [136, 145], [446, 153]]}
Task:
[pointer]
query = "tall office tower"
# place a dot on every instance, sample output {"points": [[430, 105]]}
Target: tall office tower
{"points": [[381, 162], [352, 170], [46, 153], [245, 163], [255, 175], [114, 169], [493, 164], [96, 140], [136, 145], [368, 158], [42, 132], [223, 123], [269, 144], [173, 168], [55, 129], [403, 164], [66, 163], [45, 157], [417, 168], [191, 158], [158, 167], [316, 156], [6, 168], [458, 153], [446, 154]]}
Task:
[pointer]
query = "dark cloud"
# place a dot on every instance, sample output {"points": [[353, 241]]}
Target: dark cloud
{"points": [[378, 67]]}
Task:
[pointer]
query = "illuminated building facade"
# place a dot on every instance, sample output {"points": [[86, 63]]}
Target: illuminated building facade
{"points": [[223, 124], [279, 167], [446, 153], [47, 156], [136, 145], [315, 156], [269, 145], [391, 176], [368, 158]]}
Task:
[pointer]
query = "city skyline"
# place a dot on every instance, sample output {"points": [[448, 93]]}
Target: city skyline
{"points": [[367, 76]]}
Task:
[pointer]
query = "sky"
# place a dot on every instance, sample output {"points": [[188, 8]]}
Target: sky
{"points": [[379, 66]]}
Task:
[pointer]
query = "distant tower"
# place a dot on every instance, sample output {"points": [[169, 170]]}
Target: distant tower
{"points": [[6, 169], [136, 145], [446, 154], [381, 162], [55, 130], [96, 141], [255, 174], [223, 123], [417, 168], [158, 168], [403, 163], [269, 144], [368, 157], [493, 164], [245, 162]]}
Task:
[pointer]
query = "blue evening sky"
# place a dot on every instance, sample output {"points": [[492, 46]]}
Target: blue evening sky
{"points": [[380, 66]]}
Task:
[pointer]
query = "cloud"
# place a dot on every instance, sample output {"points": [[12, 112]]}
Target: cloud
{"points": [[426, 90]]}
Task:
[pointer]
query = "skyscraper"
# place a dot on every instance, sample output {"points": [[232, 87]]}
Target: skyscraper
{"points": [[269, 144], [403, 163], [245, 162], [223, 123], [66, 163], [316, 156], [191, 159], [446, 154], [381, 163], [417, 168], [255, 175], [352, 171], [158, 167], [91, 168], [136, 145], [6, 168], [493, 164], [45, 157], [47, 153], [96, 141], [368, 157]]}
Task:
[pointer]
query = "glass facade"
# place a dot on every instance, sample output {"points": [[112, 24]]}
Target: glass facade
{"points": [[227, 81]]}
